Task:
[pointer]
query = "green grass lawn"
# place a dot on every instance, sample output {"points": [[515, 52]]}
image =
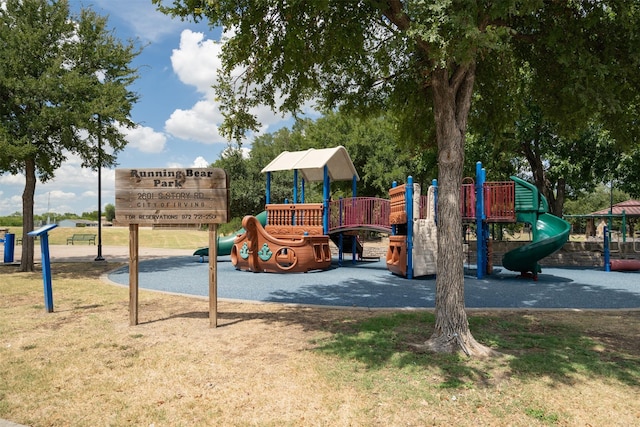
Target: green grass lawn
{"points": [[119, 236]]}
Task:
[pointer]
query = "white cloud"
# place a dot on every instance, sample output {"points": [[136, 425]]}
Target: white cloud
{"points": [[175, 165], [74, 189], [8, 179], [145, 139], [197, 61], [198, 124], [200, 162], [9, 205]]}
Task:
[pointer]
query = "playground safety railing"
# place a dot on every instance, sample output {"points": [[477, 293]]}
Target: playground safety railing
{"points": [[500, 201], [294, 218], [360, 212], [468, 200]]}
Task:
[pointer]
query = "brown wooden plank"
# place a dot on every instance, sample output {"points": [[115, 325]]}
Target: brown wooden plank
{"points": [[133, 274], [213, 275]]}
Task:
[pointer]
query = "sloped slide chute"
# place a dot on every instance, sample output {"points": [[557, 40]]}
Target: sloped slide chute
{"points": [[550, 233], [226, 243]]}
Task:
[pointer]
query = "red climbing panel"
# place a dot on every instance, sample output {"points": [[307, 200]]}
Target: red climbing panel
{"points": [[500, 201]]}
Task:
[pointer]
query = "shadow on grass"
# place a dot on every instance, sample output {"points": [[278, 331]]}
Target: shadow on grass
{"points": [[535, 344], [79, 270], [533, 348]]}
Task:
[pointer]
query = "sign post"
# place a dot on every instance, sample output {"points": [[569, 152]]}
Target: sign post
{"points": [[213, 275], [43, 233], [172, 196]]}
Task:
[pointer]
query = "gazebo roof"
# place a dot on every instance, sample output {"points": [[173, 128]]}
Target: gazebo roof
{"points": [[311, 164], [630, 208]]}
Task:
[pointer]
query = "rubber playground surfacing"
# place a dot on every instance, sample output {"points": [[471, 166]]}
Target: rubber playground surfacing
{"points": [[370, 285]]}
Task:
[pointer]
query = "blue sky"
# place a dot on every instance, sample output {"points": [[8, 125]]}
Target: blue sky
{"points": [[177, 114]]}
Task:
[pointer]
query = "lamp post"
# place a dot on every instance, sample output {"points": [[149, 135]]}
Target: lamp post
{"points": [[610, 221], [99, 257]]}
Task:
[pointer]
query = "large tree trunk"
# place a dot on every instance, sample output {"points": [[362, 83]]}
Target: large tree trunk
{"points": [[542, 183], [556, 201], [452, 101], [26, 262]]}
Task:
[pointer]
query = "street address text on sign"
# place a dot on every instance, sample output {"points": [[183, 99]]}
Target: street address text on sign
{"points": [[150, 196]]}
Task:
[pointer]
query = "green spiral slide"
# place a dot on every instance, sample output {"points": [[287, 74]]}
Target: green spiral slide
{"points": [[550, 233], [226, 243]]}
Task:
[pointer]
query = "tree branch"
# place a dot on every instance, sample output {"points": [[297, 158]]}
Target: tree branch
{"points": [[396, 15]]}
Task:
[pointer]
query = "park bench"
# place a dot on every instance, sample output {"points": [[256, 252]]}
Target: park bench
{"points": [[19, 239], [90, 238]]}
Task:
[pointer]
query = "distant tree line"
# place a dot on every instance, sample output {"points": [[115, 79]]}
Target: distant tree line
{"points": [[572, 171], [15, 219]]}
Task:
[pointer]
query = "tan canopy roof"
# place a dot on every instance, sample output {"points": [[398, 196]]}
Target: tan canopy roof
{"points": [[311, 164]]}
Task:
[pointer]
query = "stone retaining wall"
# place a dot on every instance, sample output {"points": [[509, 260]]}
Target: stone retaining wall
{"points": [[572, 254]]}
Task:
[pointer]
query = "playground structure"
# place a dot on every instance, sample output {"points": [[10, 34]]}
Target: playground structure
{"points": [[282, 248], [413, 243], [510, 202], [294, 237], [412, 250]]}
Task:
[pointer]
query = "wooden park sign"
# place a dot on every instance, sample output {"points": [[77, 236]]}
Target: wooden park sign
{"points": [[172, 196]]}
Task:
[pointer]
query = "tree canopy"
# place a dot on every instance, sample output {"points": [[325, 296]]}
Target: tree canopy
{"points": [[372, 144], [433, 63], [64, 90]]}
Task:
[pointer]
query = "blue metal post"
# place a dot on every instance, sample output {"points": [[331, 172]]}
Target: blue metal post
{"points": [[340, 235], [409, 204], [46, 264], [295, 186], [268, 195], [485, 225], [46, 272], [295, 196], [607, 256], [354, 186], [354, 239], [302, 191], [326, 193], [434, 183], [480, 252]]}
